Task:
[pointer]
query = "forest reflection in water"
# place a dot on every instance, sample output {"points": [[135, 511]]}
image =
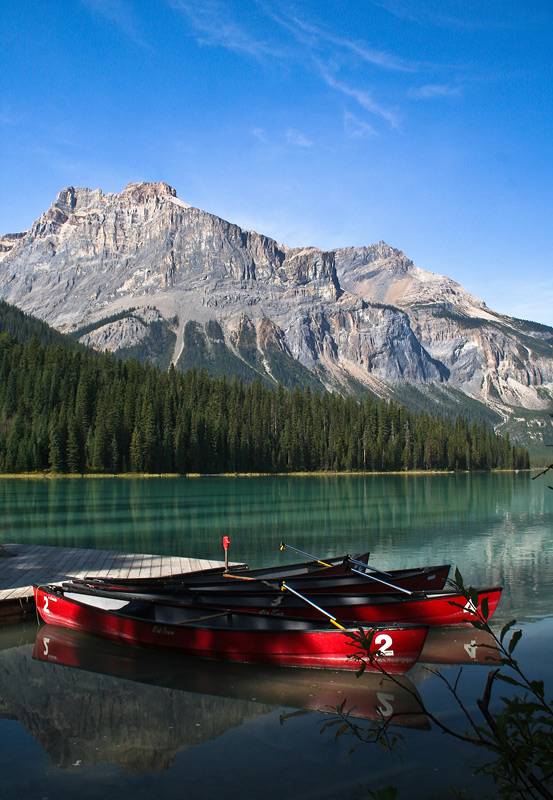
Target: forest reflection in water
{"points": [[328, 512]]}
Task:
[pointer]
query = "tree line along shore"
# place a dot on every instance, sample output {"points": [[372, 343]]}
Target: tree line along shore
{"points": [[74, 411]]}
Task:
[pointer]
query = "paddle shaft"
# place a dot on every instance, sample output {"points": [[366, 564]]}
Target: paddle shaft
{"points": [[245, 578], [332, 619], [284, 546]]}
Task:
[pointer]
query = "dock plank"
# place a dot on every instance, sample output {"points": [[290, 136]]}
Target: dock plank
{"points": [[95, 567], [21, 566]]}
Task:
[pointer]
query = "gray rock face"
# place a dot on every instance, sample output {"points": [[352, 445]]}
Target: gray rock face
{"points": [[122, 267], [494, 358]]}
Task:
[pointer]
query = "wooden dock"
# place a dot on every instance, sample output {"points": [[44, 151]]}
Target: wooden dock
{"points": [[22, 565]]}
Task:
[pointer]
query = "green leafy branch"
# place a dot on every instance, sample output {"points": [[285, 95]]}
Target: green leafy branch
{"points": [[519, 735]]}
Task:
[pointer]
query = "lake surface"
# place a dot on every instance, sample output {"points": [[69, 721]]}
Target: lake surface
{"points": [[132, 725]]}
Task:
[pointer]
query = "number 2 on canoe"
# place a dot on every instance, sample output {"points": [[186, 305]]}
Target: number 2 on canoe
{"points": [[385, 640]]}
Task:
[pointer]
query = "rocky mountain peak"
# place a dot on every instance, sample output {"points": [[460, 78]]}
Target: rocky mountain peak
{"points": [[67, 199], [71, 199], [387, 276], [143, 273], [380, 253], [140, 192]]}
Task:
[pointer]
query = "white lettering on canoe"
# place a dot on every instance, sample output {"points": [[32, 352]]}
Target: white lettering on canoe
{"points": [[47, 599], [47, 654], [163, 630], [470, 608], [384, 642]]}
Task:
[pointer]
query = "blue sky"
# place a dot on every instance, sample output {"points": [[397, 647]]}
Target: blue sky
{"points": [[424, 123]]}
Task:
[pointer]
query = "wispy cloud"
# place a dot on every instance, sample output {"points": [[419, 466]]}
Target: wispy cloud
{"points": [[297, 138], [213, 23], [428, 13], [357, 128], [432, 90], [260, 134], [122, 14], [361, 50], [326, 52], [362, 96], [267, 34], [457, 16]]}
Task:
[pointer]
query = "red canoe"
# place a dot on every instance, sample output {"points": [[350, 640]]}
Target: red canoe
{"points": [[340, 578], [427, 608], [227, 635], [336, 565]]}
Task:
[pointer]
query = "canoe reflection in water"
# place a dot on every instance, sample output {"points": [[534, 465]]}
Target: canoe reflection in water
{"points": [[450, 646], [371, 696], [106, 701]]}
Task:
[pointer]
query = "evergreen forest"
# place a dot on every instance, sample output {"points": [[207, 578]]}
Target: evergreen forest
{"points": [[72, 410]]}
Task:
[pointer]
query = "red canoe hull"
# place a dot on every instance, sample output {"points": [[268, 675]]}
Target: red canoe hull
{"points": [[439, 608], [445, 608], [233, 637]]}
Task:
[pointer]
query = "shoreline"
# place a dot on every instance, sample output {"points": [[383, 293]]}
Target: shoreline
{"points": [[320, 474]]}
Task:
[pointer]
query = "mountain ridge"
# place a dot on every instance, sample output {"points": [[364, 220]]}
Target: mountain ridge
{"points": [[152, 276]]}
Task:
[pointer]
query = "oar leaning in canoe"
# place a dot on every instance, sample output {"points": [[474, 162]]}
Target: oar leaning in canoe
{"points": [[391, 586], [331, 617], [284, 546], [352, 582], [335, 566], [351, 560]]}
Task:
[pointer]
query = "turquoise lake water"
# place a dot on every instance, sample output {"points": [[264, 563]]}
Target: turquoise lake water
{"points": [[198, 730]]}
